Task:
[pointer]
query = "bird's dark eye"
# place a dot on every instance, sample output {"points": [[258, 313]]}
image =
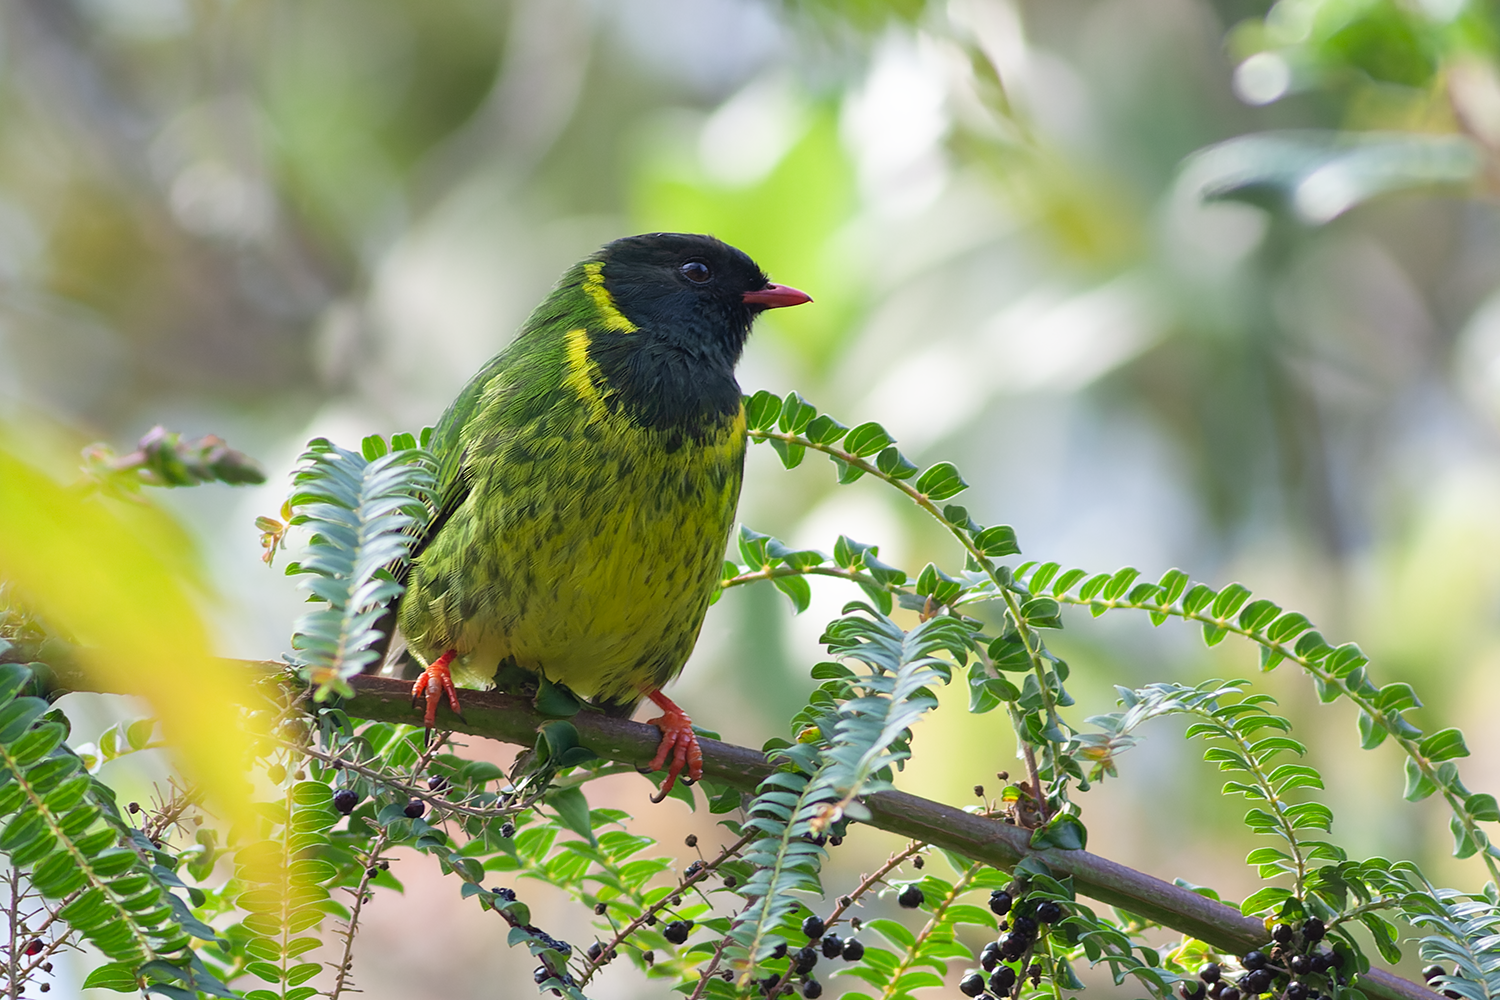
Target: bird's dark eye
{"points": [[696, 271]]}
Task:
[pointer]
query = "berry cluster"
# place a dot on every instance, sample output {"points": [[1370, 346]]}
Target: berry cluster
{"points": [[1294, 969], [804, 959], [1002, 959]]}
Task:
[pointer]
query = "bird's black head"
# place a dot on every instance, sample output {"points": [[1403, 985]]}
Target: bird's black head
{"points": [[683, 307]]}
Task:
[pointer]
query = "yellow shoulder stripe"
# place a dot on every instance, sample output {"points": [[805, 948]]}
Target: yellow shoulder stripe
{"points": [[582, 373], [609, 314]]}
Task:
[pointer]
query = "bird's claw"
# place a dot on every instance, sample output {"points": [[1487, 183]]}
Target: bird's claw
{"points": [[434, 682], [678, 743]]}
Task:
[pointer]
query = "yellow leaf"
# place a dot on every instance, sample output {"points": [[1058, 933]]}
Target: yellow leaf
{"points": [[114, 577]]}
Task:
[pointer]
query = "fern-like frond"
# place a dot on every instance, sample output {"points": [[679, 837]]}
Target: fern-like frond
{"points": [[365, 512], [867, 736], [1469, 940], [63, 828]]}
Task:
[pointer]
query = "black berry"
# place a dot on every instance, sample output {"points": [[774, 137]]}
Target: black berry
{"points": [[1003, 979], [780, 951], [1282, 933], [540, 975], [509, 895], [1254, 960], [345, 799], [693, 869], [677, 931], [971, 985], [833, 946], [600, 909], [1229, 993], [804, 960], [1023, 927], [989, 957], [1257, 982], [1013, 946], [1190, 990], [1333, 959], [1300, 965], [594, 951], [1433, 971], [812, 989], [813, 927], [415, 808], [853, 950], [508, 830], [1035, 972], [1048, 912], [1296, 991], [1210, 973], [691, 840], [911, 897], [1000, 902], [1313, 929], [437, 783]]}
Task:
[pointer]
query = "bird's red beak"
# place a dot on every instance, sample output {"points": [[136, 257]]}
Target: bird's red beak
{"points": [[776, 296]]}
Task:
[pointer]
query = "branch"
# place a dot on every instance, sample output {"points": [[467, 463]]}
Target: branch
{"points": [[514, 720]]}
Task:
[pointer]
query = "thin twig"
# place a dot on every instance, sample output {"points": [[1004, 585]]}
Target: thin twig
{"points": [[346, 960], [684, 884]]}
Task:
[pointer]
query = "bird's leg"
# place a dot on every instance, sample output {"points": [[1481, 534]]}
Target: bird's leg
{"points": [[678, 741], [434, 682]]}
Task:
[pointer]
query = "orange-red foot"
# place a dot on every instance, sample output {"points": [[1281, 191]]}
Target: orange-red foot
{"points": [[677, 742], [435, 681]]}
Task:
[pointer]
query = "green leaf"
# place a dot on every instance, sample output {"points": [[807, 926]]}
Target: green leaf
{"points": [[1120, 583], [1271, 895], [1067, 580], [867, 439], [115, 976], [1384, 933], [795, 587], [18, 716], [1229, 601], [796, 413], [1042, 612], [997, 541], [761, 410], [1258, 614], [1418, 785], [893, 932], [1445, 744], [1065, 832], [1397, 697], [791, 453], [1372, 733], [825, 430], [1482, 807], [894, 464], [941, 481], [1287, 626], [573, 811]]}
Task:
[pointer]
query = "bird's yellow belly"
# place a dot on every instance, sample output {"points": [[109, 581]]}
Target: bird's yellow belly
{"points": [[588, 556]]}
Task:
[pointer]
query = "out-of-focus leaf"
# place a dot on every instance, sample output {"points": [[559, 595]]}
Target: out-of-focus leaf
{"points": [[111, 576], [1320, 175]]}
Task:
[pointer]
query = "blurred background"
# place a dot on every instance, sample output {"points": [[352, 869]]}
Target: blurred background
{"points": [[1196, 283]]}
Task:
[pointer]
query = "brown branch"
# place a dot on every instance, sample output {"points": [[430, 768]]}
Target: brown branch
{"points": [[515, 720]]}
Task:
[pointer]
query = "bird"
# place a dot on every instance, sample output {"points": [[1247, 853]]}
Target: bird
{"points": [[587, 482]]}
